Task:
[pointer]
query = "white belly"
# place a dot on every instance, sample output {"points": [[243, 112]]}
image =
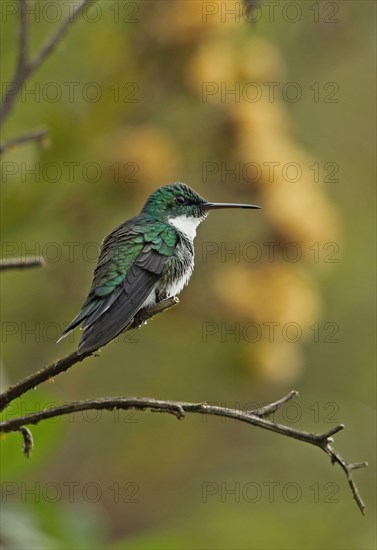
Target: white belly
{"points": [[178, 285]]}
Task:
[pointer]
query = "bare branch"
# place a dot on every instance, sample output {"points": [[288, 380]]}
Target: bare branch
{"points": [[40, 376], [68, 361], [38, 134], [21, 263], [179, 408], [26, 66]]}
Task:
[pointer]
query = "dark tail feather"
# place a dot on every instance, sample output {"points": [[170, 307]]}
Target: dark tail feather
{"points": [[112, 322], [108, 326], [88, 310], [100, 310]]}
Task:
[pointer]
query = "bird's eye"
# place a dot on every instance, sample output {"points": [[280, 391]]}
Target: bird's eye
{"points": [[181, 200]]}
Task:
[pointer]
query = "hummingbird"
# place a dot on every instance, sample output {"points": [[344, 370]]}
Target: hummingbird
{"points": [[143, 261]]}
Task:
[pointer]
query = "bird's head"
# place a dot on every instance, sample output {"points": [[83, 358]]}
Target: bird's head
{"points": [[180, 206]]}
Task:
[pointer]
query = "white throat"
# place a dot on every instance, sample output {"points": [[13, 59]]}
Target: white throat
{"points": [[186, 225]]}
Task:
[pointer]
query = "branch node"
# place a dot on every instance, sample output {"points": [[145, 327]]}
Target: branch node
{"points": [[357, 465], [327, 435], [269, 409], [174, 409]]}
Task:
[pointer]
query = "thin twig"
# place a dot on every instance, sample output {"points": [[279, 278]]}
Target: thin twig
{"points": [[179, 408], [21, 263], [52, 41], [38, 134], [27, 66], [68, 361], [273, 407], [347, 468]]}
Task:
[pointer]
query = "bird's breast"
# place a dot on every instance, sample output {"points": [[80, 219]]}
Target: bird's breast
{"points": [[179, 269]]}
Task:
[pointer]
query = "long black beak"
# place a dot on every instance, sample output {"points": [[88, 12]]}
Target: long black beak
{"points": [[219, 205]]}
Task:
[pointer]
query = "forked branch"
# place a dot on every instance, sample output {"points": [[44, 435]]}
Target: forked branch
{"points": [[255, 417], [179, 409], [27, 64]]}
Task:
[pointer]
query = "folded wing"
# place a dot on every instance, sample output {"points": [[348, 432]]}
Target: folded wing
{"points": [[114, 314], [130, 264]]}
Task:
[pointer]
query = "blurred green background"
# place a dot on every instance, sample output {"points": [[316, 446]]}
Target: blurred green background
{"points": [[136, 97]]}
